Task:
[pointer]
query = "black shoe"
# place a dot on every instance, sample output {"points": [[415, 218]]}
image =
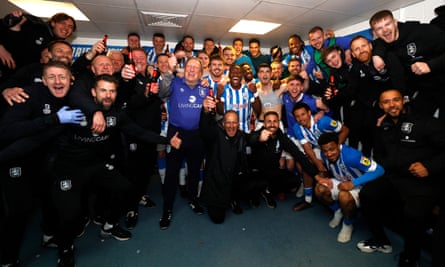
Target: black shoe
{"points": [[131, 219], [268, 198], [147, 202], [49, 241], [183, 191], [371, 245], [66, 258], [15, 263], [406, 262], [196, 207], [236, 207], [165, 220], [116, 231]]}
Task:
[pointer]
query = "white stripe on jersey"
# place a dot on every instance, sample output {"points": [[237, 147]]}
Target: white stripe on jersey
{"points": [[240, 101]]}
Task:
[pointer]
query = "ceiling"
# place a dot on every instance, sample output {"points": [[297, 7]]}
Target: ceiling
{"points": [[214, 18]]}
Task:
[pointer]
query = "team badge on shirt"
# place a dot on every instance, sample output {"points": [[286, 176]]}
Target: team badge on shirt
{"points": [[202, 91], [15, 172], [65, 185], [46, 109], [111, 121], [411, 49], [406, 127], [365, 161]]}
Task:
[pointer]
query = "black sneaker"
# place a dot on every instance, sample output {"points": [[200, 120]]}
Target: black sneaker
{"points": [[270, 201], [131, 219], [12, 264], [147, 202], [236, 207], [66, 258], [165, 220], [371, 245], [116, 231], [196, 207], [49, 241]]}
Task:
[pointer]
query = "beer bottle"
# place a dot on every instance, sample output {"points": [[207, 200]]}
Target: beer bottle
{"points": [[104, 40], [131, 60], [212, 94], [332, 86], [153, 80]]}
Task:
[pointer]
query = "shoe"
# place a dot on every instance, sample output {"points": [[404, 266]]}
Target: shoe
{"points": [[300, 191], [147, 202], [116, 231], [49, 241], [336, 219], [99, 220], [196, 207], [270, 202], [165, 220], [405, 262], [11, 264], [345, 233], [236, 207], [66, 258], [370, 245], [302, 206], [131, 219]]}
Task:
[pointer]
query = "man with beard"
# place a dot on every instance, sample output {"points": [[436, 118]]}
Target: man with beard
{"points": [[81, 161], [366, 84], [411, 149], [238, 97], [421, 50], [268, 144], [297, 50]]}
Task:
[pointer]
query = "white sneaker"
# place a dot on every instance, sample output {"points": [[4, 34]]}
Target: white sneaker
{"points": [[300, 191], [345, 233], [336, 219]]}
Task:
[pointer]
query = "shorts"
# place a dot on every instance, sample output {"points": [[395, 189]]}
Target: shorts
{"points": [[354, 192]]}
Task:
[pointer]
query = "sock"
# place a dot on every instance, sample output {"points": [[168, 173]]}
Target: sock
{"points": [[347, 221], [162, 163], [308, 194], [335, 206], [182, 176]]}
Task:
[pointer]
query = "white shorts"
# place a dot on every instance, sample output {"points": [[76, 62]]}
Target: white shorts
{"points": [[354, 192]]}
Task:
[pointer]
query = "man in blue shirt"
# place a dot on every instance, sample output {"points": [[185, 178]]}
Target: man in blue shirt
{"points": [[349, 170]]}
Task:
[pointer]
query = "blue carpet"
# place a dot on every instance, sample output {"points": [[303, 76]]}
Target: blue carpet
{"points": [[258, 237]]}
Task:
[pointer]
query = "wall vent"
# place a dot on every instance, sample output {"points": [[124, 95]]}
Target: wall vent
{"points": [[163, 19]]}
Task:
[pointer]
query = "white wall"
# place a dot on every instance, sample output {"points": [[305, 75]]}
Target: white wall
{"points": [[422, 11]]}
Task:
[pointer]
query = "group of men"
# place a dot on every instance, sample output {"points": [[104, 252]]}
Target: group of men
{"points": [[93, 133]]}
